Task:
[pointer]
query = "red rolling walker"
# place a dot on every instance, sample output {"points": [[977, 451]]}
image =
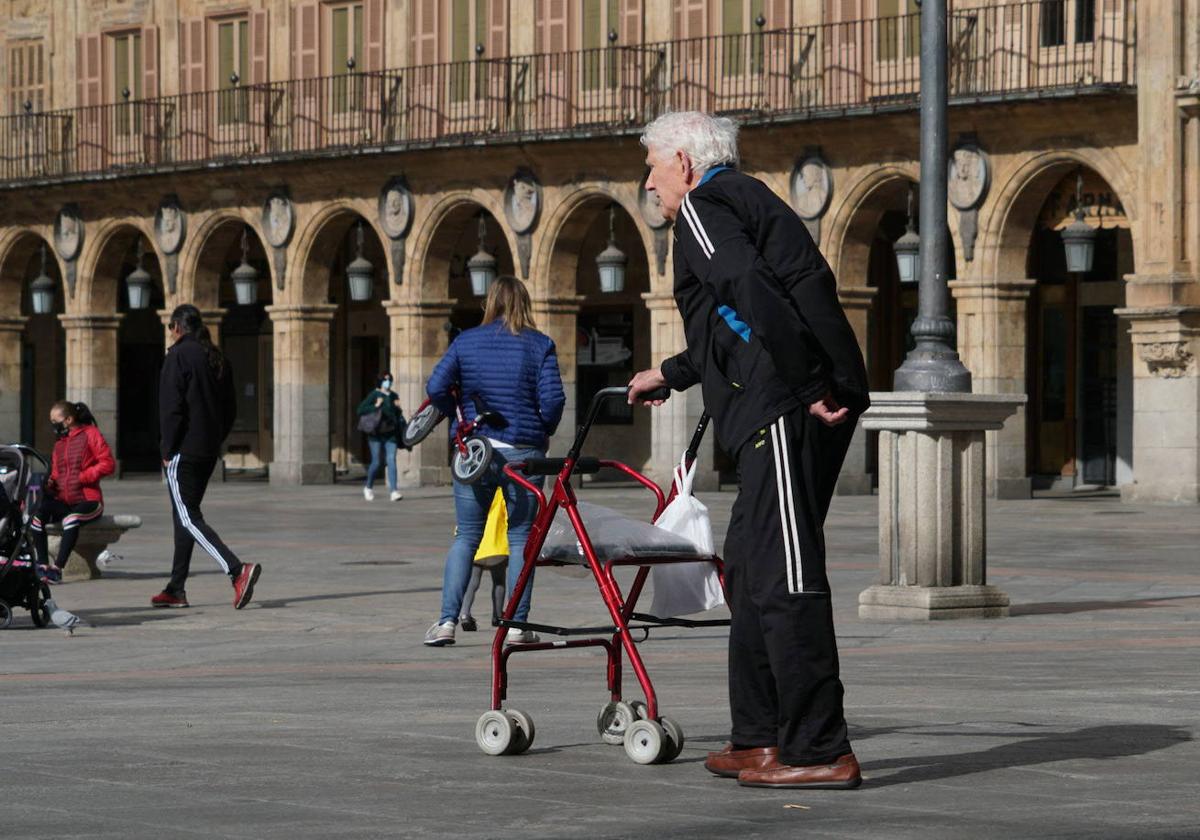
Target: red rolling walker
{"points": [[647, 735]]}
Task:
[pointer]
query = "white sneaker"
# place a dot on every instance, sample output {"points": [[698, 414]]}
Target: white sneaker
{"points": [[368, 494], [440, 635], [516, 636], [396, 496]]}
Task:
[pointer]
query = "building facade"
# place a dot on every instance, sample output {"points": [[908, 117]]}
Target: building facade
{"points": [[179, 143]]}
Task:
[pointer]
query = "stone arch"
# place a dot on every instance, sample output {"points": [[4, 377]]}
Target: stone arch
{"points": [[856, 220], [430, 248], [104, 253], [18, 246], [1008, 224], [321, 235], [198, 283]]}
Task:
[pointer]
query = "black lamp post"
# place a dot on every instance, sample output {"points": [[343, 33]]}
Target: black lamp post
{"points": [[933, 364]]}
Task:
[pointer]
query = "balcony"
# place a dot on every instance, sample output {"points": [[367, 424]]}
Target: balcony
{"points": [[1017, 51]]}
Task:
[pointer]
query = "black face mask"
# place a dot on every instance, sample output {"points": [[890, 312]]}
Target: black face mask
{"points": [[60, 429]]}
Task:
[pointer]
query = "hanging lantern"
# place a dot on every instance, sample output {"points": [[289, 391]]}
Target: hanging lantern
{"points": [[482, 266], [138, 283], [41, 290], [245, 276], [1079, 238], [908, 249], [612, 260], [360, 273]]}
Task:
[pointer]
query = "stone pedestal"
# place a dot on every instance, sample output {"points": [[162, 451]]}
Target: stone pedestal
{"points": [[302, 354], [93, 539], [932, 528]]}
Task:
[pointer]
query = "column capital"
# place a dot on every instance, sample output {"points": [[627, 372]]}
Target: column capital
{"points": [[13, 323], [1167, 338], [1000, 288], [558, 304], [210, 316], [440, 308], [659, 300], [107, 321], [856, 297], [302, 312]]}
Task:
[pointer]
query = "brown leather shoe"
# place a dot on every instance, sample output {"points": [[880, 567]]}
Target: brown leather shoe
{"points": [[729, 762], [840, 775]]}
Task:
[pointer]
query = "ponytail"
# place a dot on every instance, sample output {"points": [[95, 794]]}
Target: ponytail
{"points": [[187, 318], [77, 411]]}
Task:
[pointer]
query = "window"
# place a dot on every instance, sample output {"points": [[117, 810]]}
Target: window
{"points": [[26, 76], [599, 64], [346, 55], [125, 53], [232, 68], [1085, 21], [468, 30], [742, 53], [898, 30], [1054, 23]]}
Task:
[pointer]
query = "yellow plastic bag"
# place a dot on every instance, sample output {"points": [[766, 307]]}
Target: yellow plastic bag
{"points": [[493, 548]]}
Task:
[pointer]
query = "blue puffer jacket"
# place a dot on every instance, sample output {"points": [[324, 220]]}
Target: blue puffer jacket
{"points": [[516, 375]]}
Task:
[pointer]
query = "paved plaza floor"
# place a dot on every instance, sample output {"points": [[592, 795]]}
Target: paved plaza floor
{"points": [[317, 713]]}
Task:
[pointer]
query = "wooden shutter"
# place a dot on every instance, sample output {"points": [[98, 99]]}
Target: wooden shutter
{"points": [[629, 27], [191, 55], [150, 62], [260, 38], [88, 70], [373, 35], [306, 47], [552, 32], [691, 18], [424, 32], [497, 29], [778, 14]]}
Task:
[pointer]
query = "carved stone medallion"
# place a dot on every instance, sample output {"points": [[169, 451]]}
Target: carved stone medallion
{"points": [[522, 202], [278, 219], [68, 232], [396, 208], [969, 177], [812, 188], [170, 225]]}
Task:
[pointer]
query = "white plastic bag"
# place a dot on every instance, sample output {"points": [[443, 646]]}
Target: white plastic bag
{"points": [[686, 588]]}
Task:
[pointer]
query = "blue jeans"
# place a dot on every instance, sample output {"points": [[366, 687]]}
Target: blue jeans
{"points": [[378, 447], [471, 503]]}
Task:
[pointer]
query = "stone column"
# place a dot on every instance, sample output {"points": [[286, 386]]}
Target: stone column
{"points": [[92, 368], [854, 479], [1166, 404], [558, 318], [932, 525], [302, 353], [992, 334], [673, 424], [12, 331], [418, 340]]}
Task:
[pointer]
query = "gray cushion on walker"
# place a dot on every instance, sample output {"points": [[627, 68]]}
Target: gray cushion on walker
{"points": [[614, 535]]}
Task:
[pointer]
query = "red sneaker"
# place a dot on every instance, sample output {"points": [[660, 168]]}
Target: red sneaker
{"points": [[243, 584], [166, 599]]}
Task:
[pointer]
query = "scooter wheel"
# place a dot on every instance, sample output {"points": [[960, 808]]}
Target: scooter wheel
{"points": [[646, 742], [525, 731], [468, 467], [614, 720], [495, 732], [420, 425], [5, 614]]}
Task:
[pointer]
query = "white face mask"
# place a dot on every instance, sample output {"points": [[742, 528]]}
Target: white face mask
{"points": [[386, 384]]}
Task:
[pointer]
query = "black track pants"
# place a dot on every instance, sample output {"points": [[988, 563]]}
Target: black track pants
{"points": [[784, 688], [187, 479]]}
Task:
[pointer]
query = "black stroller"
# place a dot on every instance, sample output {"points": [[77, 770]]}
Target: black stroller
{"points": [[22, 471]]}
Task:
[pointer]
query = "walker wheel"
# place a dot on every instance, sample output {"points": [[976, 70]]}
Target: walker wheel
{"points": [[5, 614], [525, 731], [613, 721], [639, 709], [646, 742], [674, 736], [495, 732], [468, 467]]}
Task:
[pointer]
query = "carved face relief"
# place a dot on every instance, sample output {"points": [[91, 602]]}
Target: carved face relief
{"points": [[968, 178], [523, 203], [812, 187], [68, 233], [278, 220], [169, 227], [395, 209]]}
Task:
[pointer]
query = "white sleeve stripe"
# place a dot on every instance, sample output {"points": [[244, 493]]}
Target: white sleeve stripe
{"points": [[693, 220]]}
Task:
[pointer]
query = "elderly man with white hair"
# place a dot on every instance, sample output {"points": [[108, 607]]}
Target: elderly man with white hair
{"points": [[784, 381]]}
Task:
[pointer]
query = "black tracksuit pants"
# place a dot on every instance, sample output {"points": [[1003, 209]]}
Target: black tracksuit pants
{"points": [[784, 687], [187, 479]]}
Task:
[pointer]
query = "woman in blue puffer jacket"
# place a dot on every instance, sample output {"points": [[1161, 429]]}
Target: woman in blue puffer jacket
{"points": [[513, 369]]}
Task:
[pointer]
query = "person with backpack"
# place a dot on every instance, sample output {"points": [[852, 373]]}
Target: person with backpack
{"points": [[72, 492], [380, 419], [197, 407]]}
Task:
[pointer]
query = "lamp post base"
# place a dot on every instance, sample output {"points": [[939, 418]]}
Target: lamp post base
{"points": [[931, 603]]}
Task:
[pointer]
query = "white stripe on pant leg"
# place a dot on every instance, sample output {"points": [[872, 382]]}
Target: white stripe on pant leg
{"points": [[787, 475], [184, 519], [783, 526]]}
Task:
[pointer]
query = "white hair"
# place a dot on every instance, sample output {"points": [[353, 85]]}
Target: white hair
{"points": [[705, 139]]}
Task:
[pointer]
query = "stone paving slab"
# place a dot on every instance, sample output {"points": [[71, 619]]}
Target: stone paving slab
{"points": [[317, 713]]}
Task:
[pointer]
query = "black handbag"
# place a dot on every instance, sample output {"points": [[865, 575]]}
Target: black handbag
{"points": [[370, 422]]}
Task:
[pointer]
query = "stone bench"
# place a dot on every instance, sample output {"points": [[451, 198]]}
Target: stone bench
{"points": [[93, 539]]}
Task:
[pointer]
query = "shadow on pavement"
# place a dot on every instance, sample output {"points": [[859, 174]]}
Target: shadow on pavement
{"points": [[1069, 607], [1095, 742], [279, 603]]}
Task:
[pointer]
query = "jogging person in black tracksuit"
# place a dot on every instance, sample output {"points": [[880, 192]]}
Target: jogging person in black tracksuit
{"points": [[784, 381], [196, 412]]}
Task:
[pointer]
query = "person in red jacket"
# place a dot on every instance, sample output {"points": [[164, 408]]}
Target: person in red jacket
{"points": [[72, 493]]}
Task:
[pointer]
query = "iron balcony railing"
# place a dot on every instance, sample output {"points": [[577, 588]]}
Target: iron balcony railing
{"points": [[1016, 50]]}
